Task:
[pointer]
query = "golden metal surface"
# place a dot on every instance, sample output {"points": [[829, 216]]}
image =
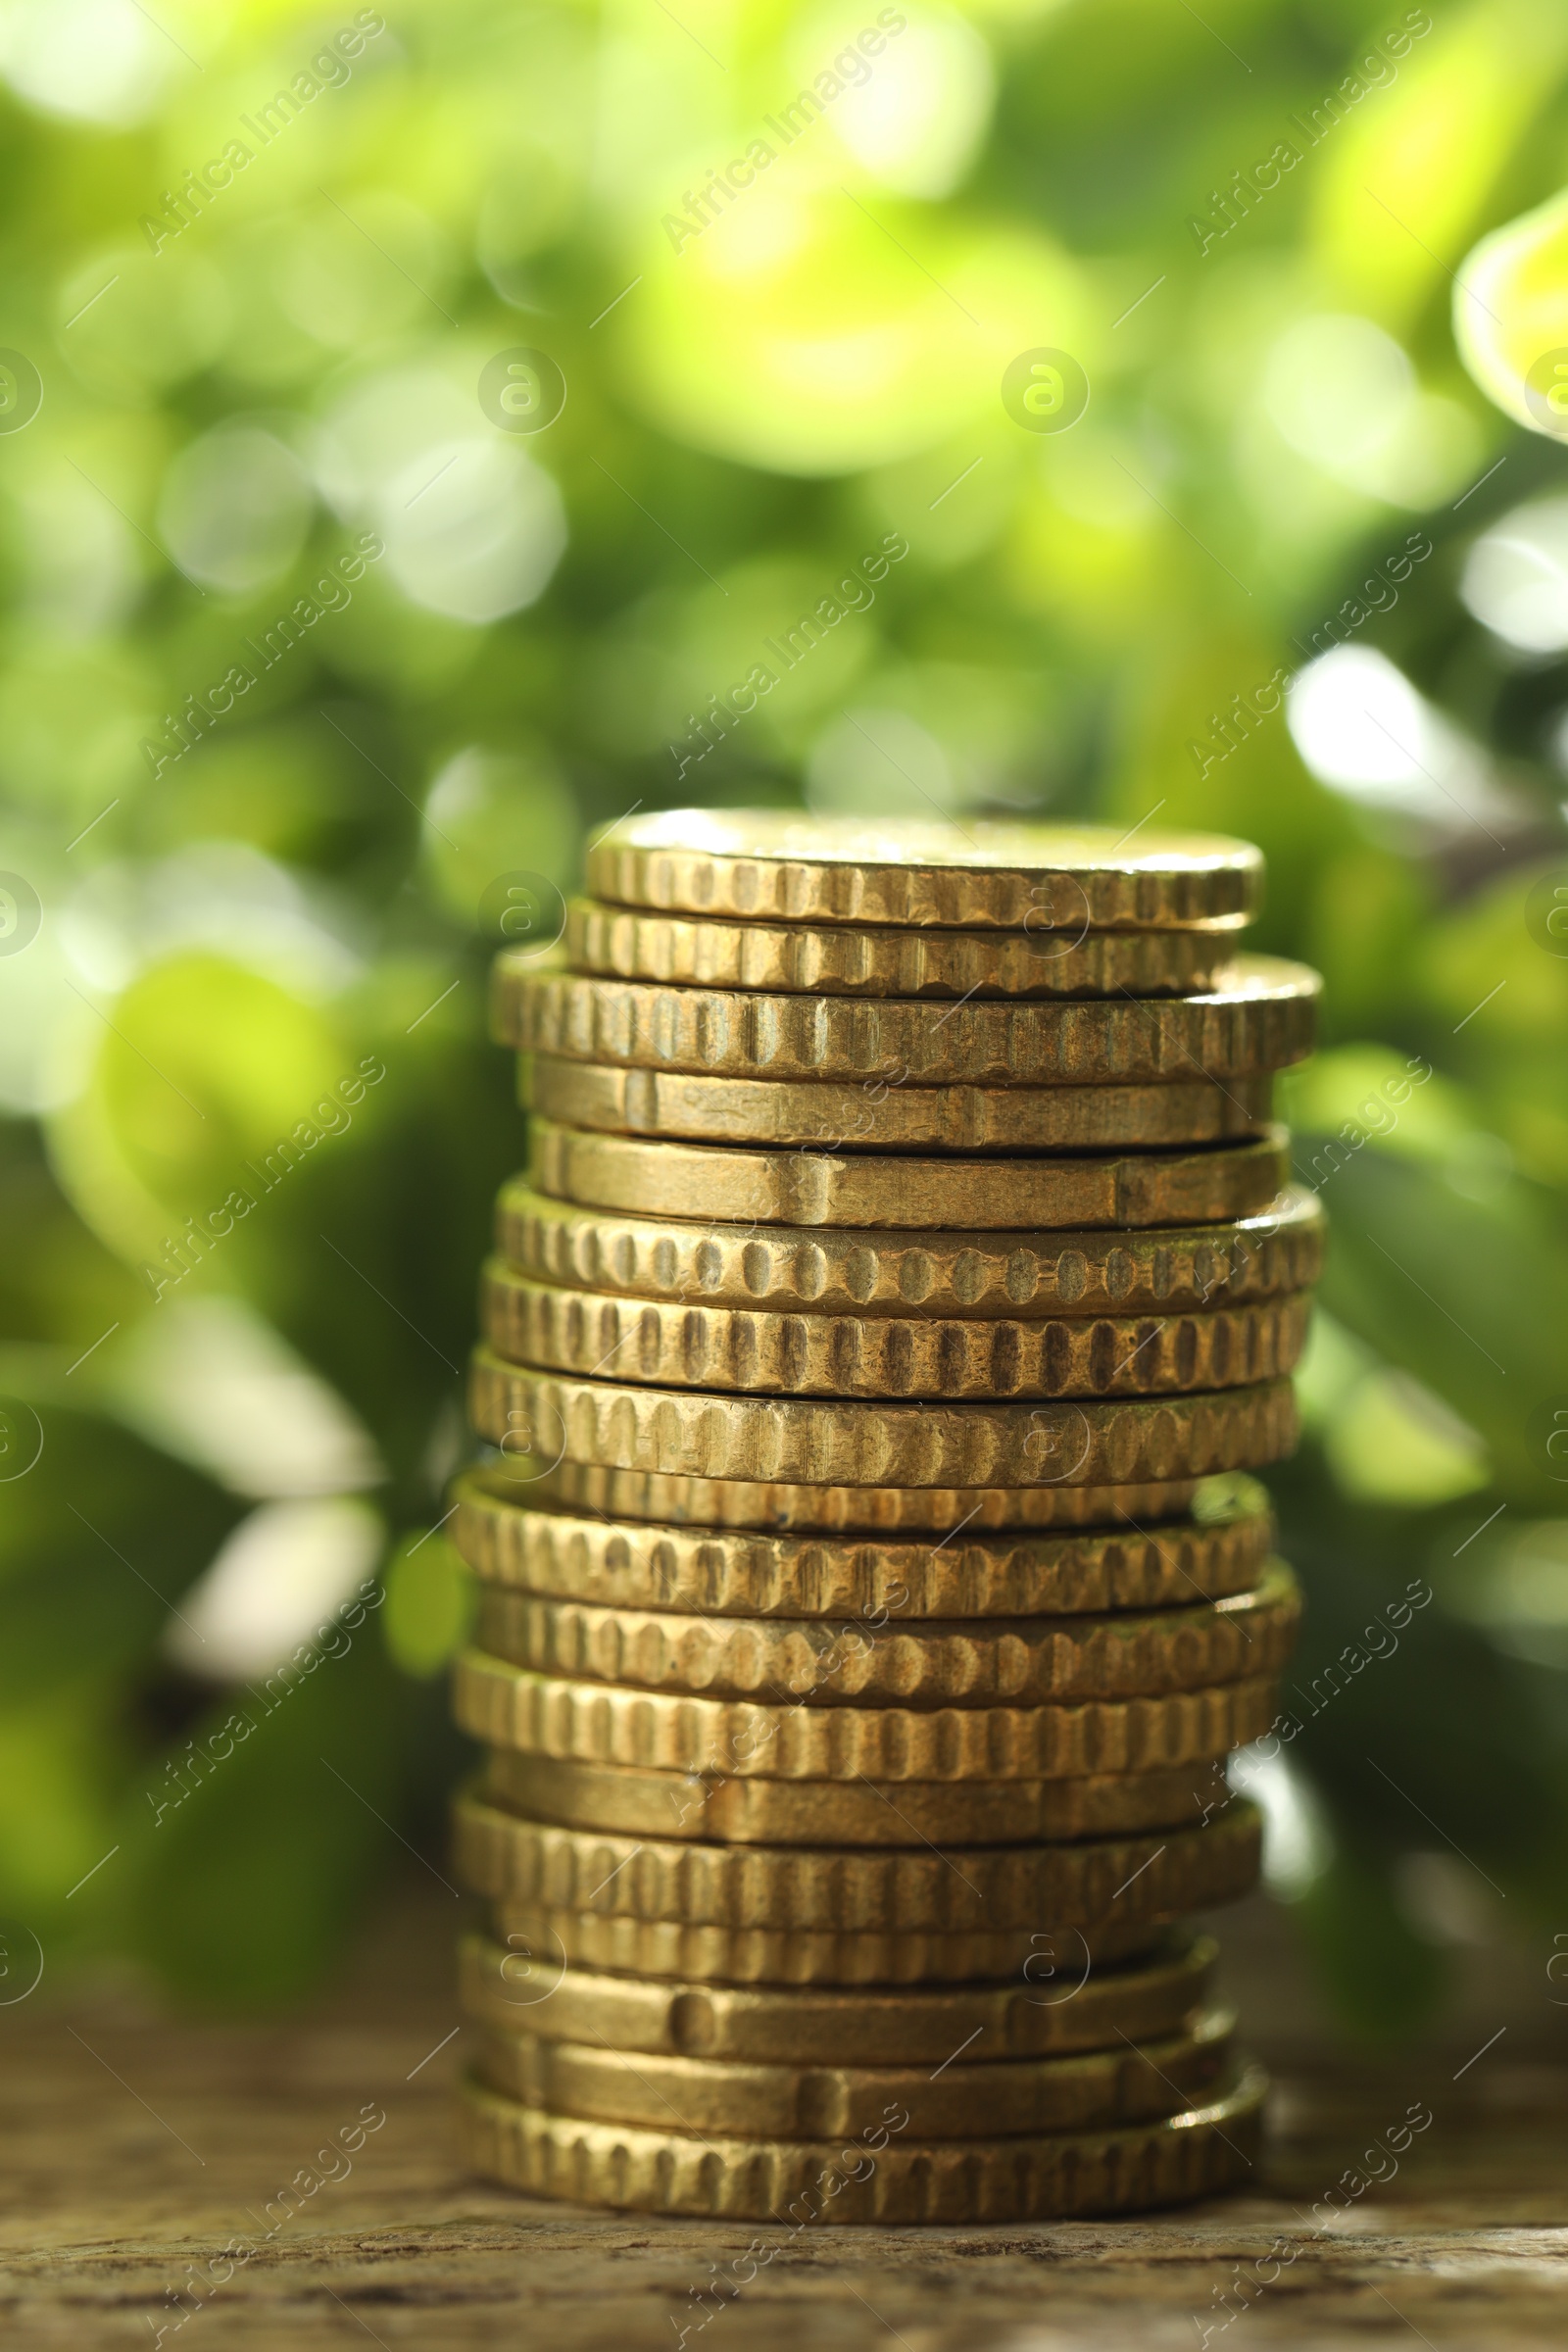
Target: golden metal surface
{"points": [[546, 1939], [1064, 2002], [787, 2187], [760, 1189], [1017, 1661], [680, 1501], [1103, 1441], [1262, 1015], [756, 864], [858, 1890], [975, 1273], [605, 1723], [872, 1581], [871, 961], [880, 1117], [636, 1802], [815, 2099], [676, 1344]]}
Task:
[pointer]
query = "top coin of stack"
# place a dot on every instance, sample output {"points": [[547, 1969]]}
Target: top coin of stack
{"points": [[885, 1181]]}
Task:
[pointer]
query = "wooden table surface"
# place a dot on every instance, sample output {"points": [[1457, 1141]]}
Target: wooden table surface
{"points": [[138, 2146]]}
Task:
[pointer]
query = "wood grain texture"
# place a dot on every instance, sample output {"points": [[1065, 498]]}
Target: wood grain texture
{"points": [[1467, 2247]]}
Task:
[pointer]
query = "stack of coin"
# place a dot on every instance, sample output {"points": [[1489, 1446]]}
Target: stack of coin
{"points": [[870, 1588]]}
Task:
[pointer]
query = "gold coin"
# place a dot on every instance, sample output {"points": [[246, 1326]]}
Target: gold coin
{"points": [[883, 1118], [1110, 1441], [1016, 1661], [873, 1581], [813, 2099], [1062, 2002], [819, 1189], [603, 1723], [975, 1273], [545, 1940], [630, 1802], [738, 1502], [845, 1888], [867, 961], [677, 1345], [756, 863], [1260, 1017], [790, 2187]]}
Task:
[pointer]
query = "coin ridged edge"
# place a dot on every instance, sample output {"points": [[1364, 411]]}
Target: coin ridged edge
{"points": [[1020, 1274], [1124, 1440], [1190, 881], [636, 943], [857, 1513], [753, 1351], [603, 1723], [1180, 2158], [1260, 1017], [641, 1564], [766, 1959], [1010, 1662], [858, 1890]]}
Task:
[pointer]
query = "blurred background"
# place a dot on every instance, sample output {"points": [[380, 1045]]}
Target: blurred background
{"points": [[405, 433]]}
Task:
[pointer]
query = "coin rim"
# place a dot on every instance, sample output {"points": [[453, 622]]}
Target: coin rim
{"points": [[745, 1351], [522, 1526], [608, 1723], [919, 2019], [704, 2091], [1260, 1018], [801, 1184], [913, 1271], [623, 868], [680, 943], [859, 1888], [1019, 1812], [806, 1113], [1066, 1660], [1184, 2157], [818, 1441]]}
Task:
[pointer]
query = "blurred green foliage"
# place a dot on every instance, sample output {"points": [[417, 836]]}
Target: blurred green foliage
{"points": [[247, 907]]}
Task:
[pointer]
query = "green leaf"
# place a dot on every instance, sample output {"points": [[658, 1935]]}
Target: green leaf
{"points": [[244, 1889], [98, 1543], [430, 1603], [1436, 1283]]}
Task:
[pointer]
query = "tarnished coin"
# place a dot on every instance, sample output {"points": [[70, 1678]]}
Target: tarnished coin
{"points": [[750, 1351], [867, 1189], [756, 863], [876, 2178], [867, 961], [1062, 2002], [541, 1942], [941, 1662], [605, 1723], [880, 1117], [869, 1582], [1105, 1442], [1260, 1017], [815, 2099], [974, 1273], [638, 1803], [1156, 1873], [677, 1501]]}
